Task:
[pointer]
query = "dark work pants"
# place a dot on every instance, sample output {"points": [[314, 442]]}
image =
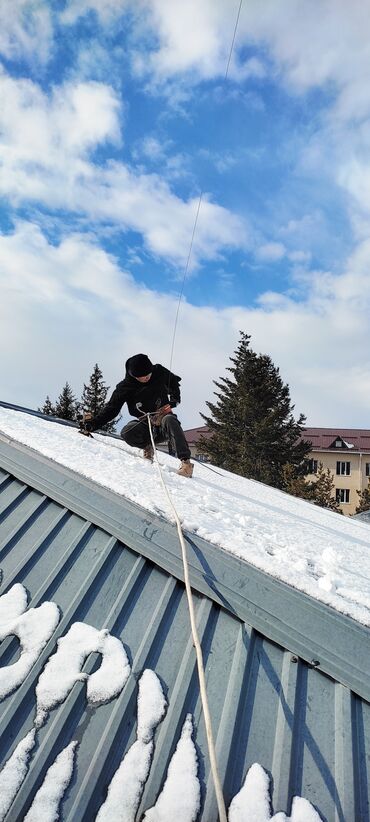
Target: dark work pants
{"points": [[137, 433]]}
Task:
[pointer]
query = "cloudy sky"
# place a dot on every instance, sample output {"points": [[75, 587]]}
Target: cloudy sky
{"points": [[115, 116]]}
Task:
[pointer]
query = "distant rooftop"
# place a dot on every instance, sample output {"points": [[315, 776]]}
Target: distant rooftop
{"points": [[193, 434], [321, 438]]}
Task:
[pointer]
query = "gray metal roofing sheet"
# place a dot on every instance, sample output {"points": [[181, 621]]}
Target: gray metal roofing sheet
{"points": [[309, 731]]}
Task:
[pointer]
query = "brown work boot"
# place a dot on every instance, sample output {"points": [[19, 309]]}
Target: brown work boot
{"points": [[186, 468], [148, 453]]}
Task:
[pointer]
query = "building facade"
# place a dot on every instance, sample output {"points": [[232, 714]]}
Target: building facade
{"points": [[345, 451], [193, 436]]}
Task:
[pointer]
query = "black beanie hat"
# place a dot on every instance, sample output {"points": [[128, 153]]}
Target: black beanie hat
{"points": [[139, 365]]}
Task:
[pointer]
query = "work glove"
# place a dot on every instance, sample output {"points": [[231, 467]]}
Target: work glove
{"points": [[157, 417], [86, 423]]}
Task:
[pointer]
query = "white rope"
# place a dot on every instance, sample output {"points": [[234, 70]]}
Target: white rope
{"points": [[197, 646], [196, 642]]}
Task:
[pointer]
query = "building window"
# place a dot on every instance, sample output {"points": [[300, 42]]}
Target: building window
{"points": [[338, 443], [342, 495], [343, 469], [312, 466], [368, 469]]}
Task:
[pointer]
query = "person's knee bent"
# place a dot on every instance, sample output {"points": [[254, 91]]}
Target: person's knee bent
{"points": [[128, 436], [170, 422], [134, 435]]}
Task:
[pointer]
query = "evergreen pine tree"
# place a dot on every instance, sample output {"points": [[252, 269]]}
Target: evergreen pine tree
{"points": [[48, 407], [322, 489], [66, 407], [253, 429], [364, 500], [94, 396], [295, 485]]}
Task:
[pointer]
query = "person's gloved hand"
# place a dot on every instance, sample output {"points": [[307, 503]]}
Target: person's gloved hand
{"points": [[86, 424], [157, 417]]}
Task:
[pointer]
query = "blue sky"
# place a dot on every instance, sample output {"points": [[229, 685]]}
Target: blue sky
{"points": [[114, 117]]}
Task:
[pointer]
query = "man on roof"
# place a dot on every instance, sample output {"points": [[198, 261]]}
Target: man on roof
{"points": [[147, 389]]}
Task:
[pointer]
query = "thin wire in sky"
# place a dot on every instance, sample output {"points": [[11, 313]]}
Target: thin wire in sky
{"points": [[199, 202]]}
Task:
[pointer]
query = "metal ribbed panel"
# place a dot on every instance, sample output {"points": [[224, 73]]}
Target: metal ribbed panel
{"points": [[308, 731]]}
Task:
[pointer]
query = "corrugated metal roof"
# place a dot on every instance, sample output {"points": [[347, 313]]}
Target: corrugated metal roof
{"points": [[309, 731]]}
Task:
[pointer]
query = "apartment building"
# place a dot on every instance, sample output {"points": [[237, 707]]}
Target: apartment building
{"points": [[345, 451]]}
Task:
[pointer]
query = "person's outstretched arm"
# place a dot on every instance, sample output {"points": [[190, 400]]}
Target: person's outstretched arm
{"points": [[110, 410]]}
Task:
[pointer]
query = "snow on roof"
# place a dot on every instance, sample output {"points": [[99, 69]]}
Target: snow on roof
{"points": [[314, 550]]}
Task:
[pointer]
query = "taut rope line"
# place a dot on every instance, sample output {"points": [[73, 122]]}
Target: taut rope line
{"points": [[200, 202], [197, 646]]}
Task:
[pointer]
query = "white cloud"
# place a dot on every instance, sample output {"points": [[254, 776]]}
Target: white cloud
{"points": [[271, 252], [304, 45], [106, 10], [50, 131], [44, 150], [299, 256], [161, 154], [25, 29], [154, 149], [323, 45], [74, 296], [75, 306], [310, 44], [354, 176], [191, 39]]}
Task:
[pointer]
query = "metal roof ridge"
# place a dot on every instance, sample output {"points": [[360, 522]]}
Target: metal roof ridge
{"points": [[312, 630]]}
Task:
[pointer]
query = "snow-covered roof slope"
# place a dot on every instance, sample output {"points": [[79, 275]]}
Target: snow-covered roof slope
{"points": [[314, 550], [100, 709]]}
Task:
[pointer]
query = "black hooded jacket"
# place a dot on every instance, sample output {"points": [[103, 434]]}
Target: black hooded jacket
{"points": [[162, 388]]}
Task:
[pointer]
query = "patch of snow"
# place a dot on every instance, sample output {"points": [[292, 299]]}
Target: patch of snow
{"points": [[327, 583], [64, 668], [126, 787], [33, 629], [281, 535], [180, 796], [151, 705], [303, 811], [14, 772], [252, 803], [13, 603], [45, 805]]}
